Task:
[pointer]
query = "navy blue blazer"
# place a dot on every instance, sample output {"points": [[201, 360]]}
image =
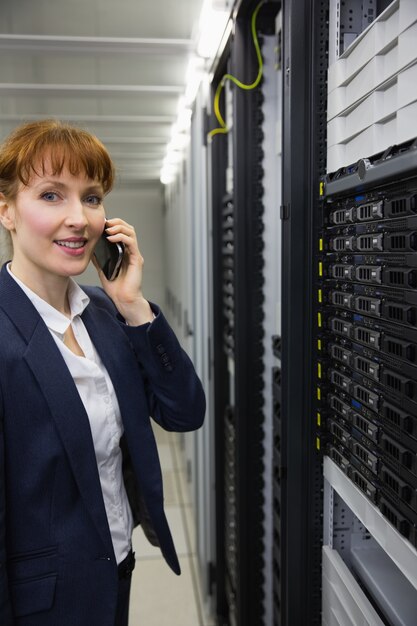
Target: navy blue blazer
{"points": [[57, 564]]}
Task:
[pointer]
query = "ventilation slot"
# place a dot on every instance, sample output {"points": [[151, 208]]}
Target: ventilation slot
{"points": [[342, 271], [398, 383], [364, 212], [364, 485], [391, 481], [365, 426], [396, 278], [339, 380], [389, 514], [398, 207], [398, 242], [399, 348], [393, 381], [396, 451], [400, 313], [366, 243], [391, 449], [394, 347], [365, 396], [368, 337], [341, 243], [367, 305], [367, 367], [366, 457], [337, 431], [340, 354], [401, 277], [397, 417], [340, 327], [339, 406], [369, 211], [361, 482], [396, 313], [336, 457], [339, 298], [339, 217], [398, 486], [368, 273]]}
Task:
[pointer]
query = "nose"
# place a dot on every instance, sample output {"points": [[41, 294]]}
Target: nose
{"points": [[76, 217]]}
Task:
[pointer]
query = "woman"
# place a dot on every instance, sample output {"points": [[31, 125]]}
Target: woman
{"points": [[81, 371]]}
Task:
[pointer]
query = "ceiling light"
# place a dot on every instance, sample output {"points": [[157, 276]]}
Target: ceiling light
{"points": [[211, 28]]}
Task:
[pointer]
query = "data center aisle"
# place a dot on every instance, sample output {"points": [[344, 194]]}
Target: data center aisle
{"points": [[159, 597]]}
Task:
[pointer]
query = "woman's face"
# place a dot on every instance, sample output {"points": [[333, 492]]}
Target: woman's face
{"points": [[57, 221]]}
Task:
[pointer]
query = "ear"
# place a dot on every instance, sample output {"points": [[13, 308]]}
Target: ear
{"points": [[7, 213]]}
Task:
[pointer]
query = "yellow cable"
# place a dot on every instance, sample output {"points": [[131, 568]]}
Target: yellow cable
{"points": [[223, 128]]}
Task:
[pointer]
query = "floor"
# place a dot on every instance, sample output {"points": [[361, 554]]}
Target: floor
{"points": [[158, 596]]}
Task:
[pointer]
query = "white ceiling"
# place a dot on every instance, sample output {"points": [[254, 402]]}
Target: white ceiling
{"points": [[116, 67]]}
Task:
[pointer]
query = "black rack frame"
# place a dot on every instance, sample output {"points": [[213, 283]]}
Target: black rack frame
{"points": [[305, 50]]}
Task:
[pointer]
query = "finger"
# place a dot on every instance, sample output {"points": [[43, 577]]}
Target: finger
{"points": [[128, 239], [117, 221], [121, 228]]}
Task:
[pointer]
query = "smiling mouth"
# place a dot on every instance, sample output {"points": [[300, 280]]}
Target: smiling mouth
{"points": [[71, 244]]}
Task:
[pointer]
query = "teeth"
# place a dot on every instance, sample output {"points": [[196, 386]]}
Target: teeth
{"points": [[71, 244]]}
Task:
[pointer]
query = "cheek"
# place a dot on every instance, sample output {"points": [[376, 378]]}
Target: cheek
{"points": [[35, 222], [97, 223]]}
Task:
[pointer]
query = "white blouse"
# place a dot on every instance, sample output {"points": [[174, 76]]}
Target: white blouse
{"points": [[100, 402]]}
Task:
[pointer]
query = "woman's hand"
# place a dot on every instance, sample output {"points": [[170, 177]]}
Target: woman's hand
{"points": [[126, 289]]}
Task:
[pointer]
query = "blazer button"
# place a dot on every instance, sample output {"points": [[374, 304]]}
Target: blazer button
{"points": [[165, 358], [168, 367], [160, 348]]}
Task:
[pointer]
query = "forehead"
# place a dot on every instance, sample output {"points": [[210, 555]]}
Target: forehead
{"points": [[59, 168]]}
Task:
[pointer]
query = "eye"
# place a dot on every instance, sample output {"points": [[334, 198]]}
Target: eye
{"points": [[50, 196], [94, 200]]}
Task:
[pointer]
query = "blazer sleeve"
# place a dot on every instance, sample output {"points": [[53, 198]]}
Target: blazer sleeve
{"points": [[6, 617], [175, 394]]}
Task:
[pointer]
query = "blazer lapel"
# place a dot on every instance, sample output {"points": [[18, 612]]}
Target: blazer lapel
{"points": [[71, 420], [120, 361], [57, 386]]}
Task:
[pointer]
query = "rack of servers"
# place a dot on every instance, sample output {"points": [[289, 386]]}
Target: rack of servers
{"points": [[311, 181]]}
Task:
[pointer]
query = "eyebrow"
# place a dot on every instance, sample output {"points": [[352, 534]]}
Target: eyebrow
{"points": [[98, 188]]}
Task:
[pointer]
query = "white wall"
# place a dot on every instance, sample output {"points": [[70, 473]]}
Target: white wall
{"points": [[141, 206]]}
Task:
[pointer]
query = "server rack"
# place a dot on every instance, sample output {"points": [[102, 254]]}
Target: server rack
{"points": [[343, 474], [368, 273], [368, 351], [237, 195], [364, 329]]}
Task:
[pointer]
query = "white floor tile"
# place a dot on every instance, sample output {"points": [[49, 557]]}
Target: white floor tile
{"points": [[161, 435], [190, 528], [144, 549], [183, 488], [165, 457], [171, 494], [175, 520], [159, 598], [205, 607]]}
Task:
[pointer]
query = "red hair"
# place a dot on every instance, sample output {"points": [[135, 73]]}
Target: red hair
{"points": [[25, 150]]}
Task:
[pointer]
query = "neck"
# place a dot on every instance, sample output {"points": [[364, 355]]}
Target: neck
{"points": [[50, 287]]}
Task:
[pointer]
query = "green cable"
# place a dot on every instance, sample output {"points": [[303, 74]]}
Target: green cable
{"points": [[223, 128]]}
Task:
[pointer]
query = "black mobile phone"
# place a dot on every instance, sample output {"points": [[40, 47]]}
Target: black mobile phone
{"points": [[109, 256]]}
